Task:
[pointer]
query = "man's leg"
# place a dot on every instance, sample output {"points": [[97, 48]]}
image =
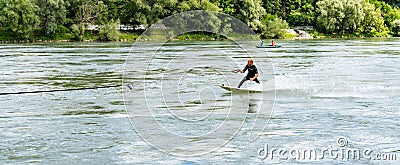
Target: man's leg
{"points": [[256, 80], [241, 82]]}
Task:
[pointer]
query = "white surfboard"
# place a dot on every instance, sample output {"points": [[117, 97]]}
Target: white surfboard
{"points": [[240, 90]]}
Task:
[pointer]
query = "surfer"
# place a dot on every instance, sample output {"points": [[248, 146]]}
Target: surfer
{"points": [[252, 73]]}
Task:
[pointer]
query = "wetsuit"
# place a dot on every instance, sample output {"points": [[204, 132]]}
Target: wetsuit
{"points": [[251, 72]]}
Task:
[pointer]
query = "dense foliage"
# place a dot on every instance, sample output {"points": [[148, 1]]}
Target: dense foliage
{"points": [[73, 19]]}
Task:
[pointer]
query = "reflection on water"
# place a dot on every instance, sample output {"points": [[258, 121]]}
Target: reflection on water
{"points": [[324, 89]]}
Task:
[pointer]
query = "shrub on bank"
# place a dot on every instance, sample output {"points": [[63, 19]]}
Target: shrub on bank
{"points": [[396, 27], [109, 32]]}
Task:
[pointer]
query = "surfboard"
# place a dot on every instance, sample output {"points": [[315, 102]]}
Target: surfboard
{"points": [[239, 90]]}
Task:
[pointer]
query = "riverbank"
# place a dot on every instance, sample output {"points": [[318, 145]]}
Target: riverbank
{"points": [[131, 36], [124, 36], [88, 36]]}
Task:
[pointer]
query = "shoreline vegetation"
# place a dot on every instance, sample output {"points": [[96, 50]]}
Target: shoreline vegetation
{"points": [[186, 37], [134, 36], [125, 20]]}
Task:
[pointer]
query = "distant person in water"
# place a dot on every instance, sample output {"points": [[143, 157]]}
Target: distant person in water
{"points": [[273, 43], [252, 73], [261, 43]]}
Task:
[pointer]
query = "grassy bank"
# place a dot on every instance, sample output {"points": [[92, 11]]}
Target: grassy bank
{"points": [[200, 36], [88, 35], [317, 35], [130, 36]]}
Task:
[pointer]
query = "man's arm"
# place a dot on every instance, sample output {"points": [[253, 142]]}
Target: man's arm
{"points": [[256, 75], [253, 78], [244, 70]]}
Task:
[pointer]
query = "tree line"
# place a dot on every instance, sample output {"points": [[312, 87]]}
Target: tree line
{"points": [[25, 19]]}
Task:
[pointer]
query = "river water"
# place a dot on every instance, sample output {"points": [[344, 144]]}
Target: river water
{"points": [[323, 93]]}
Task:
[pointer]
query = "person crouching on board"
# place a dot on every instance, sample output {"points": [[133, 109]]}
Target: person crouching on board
{"points": [[252, 73]]}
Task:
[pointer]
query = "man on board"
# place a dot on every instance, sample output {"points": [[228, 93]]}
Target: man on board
{"points": [[252, 73]]}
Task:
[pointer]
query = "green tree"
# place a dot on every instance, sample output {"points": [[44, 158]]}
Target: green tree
{"points": [[135, 13], [78, 31], [330, 15], [373, 21], [148, 12], [303, 6], [159, 9], [52, 13], [297, 18], [72, 11], [391, 2], [85, 13], [110, 31], [19, 16], [353, 15], [250, 12], [194, 21], [348, 16], [287, 6], [272, 7], [276, 28], [396, 27], [114, 8], [227, 6], [198, 5], [389, 13], [90, 11], [139, 12], [302, 13]]}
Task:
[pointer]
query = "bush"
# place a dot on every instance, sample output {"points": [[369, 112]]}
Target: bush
{"points": [[7, 34], [78, 31], [110, 31], [275, 29], [299, 18], [62, 29], [396, 27], [127, 36]]}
